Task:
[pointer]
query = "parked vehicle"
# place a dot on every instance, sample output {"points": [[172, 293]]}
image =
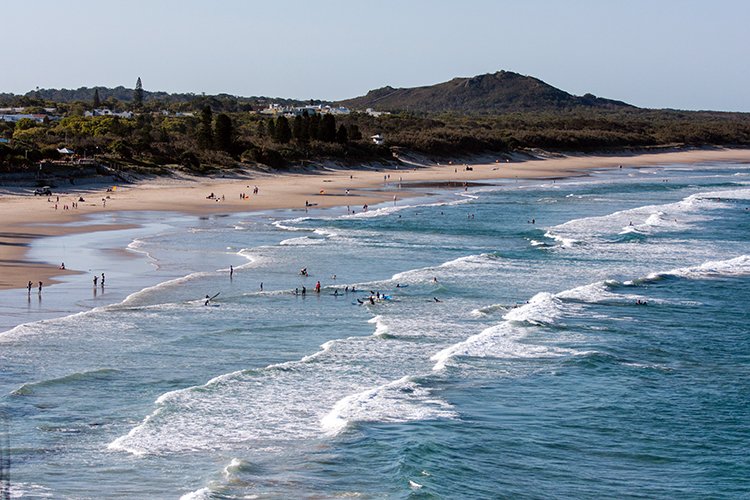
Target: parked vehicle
{"points": [[43, 191]]}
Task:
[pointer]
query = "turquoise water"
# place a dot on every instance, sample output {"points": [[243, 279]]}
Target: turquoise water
{"points": [[515, 359]]}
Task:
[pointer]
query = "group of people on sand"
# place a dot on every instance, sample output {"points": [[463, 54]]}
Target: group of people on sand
{"points": [[244, 196]]}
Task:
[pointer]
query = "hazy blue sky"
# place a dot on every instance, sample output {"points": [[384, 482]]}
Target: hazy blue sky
{"points": [[653, 53]]}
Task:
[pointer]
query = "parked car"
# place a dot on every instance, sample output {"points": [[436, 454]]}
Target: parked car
{"points": [[43, 191]]}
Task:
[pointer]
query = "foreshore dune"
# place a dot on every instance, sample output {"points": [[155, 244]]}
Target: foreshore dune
{"points": [[26, 217]]}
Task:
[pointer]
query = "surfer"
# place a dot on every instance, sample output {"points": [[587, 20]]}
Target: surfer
{"points": [[436, 299], [231, 272], [209, 299]]}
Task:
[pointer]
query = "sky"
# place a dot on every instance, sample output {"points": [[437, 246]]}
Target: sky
{"points": [[681, 54]]}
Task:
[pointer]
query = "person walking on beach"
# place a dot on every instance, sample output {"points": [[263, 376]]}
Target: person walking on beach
{"points": [[30, 285], [40, 288], [96, 278]]}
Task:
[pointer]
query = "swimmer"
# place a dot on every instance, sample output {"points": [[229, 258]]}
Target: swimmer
{"points": [[436, 299]]}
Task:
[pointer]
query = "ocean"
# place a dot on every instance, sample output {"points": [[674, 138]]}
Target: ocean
{"points": [[569, 338]]}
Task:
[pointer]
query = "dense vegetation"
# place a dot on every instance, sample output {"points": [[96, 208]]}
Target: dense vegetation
{"points": [[227, 132]]}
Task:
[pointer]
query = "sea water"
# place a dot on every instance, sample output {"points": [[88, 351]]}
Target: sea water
{"points": [[580, 338]]}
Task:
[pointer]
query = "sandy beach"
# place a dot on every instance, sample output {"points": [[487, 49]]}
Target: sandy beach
{"points": [[27, 217]]}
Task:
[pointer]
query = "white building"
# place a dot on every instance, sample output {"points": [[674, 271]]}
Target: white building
{"points": [[376, 114], [378, 139], [108, 112], [18, 116]]}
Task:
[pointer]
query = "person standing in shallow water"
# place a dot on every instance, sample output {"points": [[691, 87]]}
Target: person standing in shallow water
{"points": [[102, 280]]}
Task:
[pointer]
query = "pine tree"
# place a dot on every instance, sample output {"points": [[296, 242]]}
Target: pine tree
{"points": [[283, 133], [354, 133], [271, 129], [223, 131], [138, 94], [297, 128], [205, 134], [305, 133], [327, 131], [97, 102], [262, 128], [342, 136], [314, 126]]}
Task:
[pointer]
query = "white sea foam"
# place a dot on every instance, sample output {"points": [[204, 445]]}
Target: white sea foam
{"points": [[381, 328], [134, 297], [414, 485], [458, 266], [201, 494], [505, 340], [378, 212], [233, 467], [288, 224], [598, 293], [487, 310], [738, 266], [501, 341], [402, 400], [542, 309], [301, 241], [647, 219]]}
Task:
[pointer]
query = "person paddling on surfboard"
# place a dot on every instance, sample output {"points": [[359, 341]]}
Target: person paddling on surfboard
{"points": [[209, 299]]}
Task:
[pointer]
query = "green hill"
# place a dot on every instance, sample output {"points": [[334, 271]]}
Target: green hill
{"points": [[500, 92]]}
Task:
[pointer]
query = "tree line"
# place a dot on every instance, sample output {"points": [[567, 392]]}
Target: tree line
{"points": [[215, 138]]}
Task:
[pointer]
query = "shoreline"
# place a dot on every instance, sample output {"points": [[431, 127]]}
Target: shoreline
{"points": [[28, 218]]}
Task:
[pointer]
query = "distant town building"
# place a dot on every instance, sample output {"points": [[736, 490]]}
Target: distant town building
{"points": [[376, 114], [39, 118], [378, 139], [178, 114], [108, 112], [292, 111]]}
